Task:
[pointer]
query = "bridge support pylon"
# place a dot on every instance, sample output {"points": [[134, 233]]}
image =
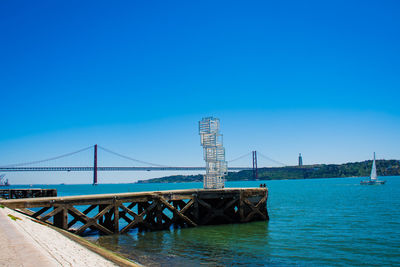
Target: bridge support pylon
{"points": [[255, 169], [95, 166]]}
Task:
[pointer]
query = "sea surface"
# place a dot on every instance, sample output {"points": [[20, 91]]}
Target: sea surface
{"points": [[314, 222]]}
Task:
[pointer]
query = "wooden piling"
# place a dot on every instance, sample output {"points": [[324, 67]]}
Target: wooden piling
{"points": [[115, 213], [27, 193]]}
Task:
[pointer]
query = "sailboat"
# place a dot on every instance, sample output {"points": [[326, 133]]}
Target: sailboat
{"points": [[373, 178], [3, 182]]}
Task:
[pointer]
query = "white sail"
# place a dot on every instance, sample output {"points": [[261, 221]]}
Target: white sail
{"points": [[373, 176]]}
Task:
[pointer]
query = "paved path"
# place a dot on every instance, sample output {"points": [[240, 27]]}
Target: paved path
{"points": [[27, 243], [18, 249]]}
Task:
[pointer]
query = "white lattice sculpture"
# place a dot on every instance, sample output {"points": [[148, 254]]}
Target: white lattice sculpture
{"points": [[214, 153]]}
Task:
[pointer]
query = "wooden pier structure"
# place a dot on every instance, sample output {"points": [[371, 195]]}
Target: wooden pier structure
{"points": [[146, 211], [27, 193]]}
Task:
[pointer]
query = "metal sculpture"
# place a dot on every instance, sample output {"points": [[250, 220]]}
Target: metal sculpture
{"points": [[214, 153]]}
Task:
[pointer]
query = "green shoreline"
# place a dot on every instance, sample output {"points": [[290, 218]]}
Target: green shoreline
{"points": [[351, 169]]}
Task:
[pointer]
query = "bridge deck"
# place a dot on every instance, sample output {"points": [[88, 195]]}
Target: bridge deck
{"points": [[75, 168], [119, 213]]}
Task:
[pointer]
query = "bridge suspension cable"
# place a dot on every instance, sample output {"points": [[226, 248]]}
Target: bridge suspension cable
{"points": [[129, 158], [241, 157], [48, 159], [268, 158]]}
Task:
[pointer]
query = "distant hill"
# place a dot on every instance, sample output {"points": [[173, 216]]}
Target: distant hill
{"points": [[352, 169]]}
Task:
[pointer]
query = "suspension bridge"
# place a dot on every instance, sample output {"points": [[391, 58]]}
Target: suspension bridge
{"points": [[121, 212], [24, 167]]}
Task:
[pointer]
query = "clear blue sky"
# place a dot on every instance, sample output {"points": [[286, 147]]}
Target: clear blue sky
{"points": [[317, 77]]}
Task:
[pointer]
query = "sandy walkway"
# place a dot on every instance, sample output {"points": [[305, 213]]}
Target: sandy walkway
{"points": [[26, 243]]}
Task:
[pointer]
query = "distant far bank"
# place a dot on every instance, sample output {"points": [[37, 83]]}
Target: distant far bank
{"points": [[351, 169]]}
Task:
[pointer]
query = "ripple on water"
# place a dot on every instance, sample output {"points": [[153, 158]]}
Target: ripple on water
{"points": [[321, 222]]}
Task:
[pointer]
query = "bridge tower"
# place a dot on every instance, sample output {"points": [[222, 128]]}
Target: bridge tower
{"points": [[255, 169], [214, 153], [95, 166]]}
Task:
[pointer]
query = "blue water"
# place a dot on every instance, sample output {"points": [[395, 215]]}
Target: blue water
{"points": [[330, 222]]}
